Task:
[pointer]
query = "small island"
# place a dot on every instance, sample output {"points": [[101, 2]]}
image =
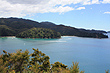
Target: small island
{"points": [[39, 33]]}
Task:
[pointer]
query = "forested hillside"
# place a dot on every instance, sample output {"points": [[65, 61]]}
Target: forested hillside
{"points": [[19, 25], [6, 31], [39, 33]]}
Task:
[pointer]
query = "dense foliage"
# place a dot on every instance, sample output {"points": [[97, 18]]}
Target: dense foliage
{"points": [[37, 62], [20, 25], [6, 31], [39, 33], [41, 60]]}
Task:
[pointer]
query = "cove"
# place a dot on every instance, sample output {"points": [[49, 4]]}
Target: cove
{"points": [[92, 54]]}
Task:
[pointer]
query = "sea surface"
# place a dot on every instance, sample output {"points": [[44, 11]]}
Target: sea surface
{"points": [[92, 54]]}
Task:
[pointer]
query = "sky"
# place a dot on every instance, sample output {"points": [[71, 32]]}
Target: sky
{"points": [[88, 14]]}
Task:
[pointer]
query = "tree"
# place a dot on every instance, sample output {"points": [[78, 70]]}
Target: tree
{"points": [[3, 67], [75, 68], [16, 61], [39, 61], [107, 71], [58, 67], [20, 60]]}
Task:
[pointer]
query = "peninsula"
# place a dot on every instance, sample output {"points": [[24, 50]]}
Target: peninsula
{"points": [[17, 26]]}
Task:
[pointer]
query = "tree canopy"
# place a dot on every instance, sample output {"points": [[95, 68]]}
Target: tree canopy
{"points": [[39, 33], [6, 31]]}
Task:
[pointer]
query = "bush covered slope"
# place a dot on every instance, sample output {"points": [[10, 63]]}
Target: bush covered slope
{"points": [[6, 31], [39, 33]]}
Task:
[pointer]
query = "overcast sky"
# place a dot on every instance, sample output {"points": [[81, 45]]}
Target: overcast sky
{"points": [[89, 14]]}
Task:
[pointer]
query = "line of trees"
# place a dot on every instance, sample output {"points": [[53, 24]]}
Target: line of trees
{"points": [[37, 62]]}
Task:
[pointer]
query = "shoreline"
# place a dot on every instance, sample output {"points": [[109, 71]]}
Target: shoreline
{"points": [[52, 38], [7, 36], [69, 36]]}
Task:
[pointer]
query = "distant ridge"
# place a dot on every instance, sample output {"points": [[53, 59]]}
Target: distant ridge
{"points": [[108, 32], [19, 25]]}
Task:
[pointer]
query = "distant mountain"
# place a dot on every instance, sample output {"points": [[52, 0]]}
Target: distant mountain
{"points": [[108, 32], [93, 31], [19, 25]]}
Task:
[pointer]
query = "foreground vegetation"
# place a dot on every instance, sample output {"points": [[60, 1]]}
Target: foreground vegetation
{"points": [[37, 62]]}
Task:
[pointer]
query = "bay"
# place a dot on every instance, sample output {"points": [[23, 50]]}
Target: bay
{"points": [[92, 54]]}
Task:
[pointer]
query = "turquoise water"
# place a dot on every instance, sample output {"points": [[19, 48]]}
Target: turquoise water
{"points": [[93, 55]]}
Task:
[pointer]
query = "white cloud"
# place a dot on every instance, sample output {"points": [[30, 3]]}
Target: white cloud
{"points": [[107, 12], [106, 1], [80, 8], [7, 9], [27, 1], [95, 1], [89, 2], [62, 9], [20, 8]]}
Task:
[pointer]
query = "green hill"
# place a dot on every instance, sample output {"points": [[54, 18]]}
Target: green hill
{"points": [[19, 25], [39, 33], [6, 31]]}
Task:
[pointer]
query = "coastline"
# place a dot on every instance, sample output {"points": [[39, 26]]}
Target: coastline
{"points": [[7, 36], [50, 38], [69, 36], [85, 37]]}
